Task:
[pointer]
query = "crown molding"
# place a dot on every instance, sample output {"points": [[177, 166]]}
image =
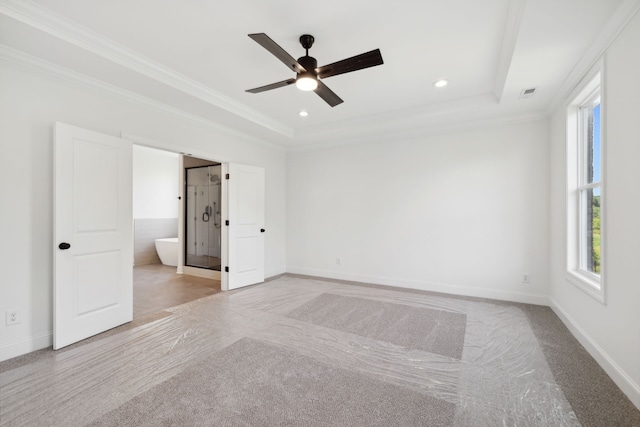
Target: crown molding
{"points": [[414, 122], [42, 19], [401, 117], [511, 32], [398, 136], [614, 26], [349, 133], [19, 58]]}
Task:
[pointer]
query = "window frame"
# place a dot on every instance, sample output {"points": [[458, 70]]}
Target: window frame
{"points": [[586, 94]]}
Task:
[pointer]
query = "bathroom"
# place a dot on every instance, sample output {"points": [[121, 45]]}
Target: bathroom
{"points": [[157, 208]]}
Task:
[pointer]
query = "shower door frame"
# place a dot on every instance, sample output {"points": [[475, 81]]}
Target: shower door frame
{"points": [[221, 214]]}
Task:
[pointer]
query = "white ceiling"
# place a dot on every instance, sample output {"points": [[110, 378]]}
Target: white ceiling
{"points": [[194, 55]]}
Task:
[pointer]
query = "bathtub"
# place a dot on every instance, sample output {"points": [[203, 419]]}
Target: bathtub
{"points": [[168, 250]]}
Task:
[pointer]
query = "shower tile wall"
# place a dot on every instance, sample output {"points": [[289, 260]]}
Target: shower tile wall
{"points": [[146, 231]]}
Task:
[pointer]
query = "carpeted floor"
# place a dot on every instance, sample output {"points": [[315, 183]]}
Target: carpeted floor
{"points": [[593, 395], [303, 351], [435, 331], [267, 385]]}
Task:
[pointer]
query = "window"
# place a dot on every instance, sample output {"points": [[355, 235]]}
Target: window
{"points": [[585, 189]]}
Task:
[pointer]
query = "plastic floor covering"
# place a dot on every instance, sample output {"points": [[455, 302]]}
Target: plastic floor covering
{"points": [[479, 358]]}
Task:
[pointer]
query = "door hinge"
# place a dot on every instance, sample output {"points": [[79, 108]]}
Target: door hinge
{"points": [[226, 176], [226, 222], [226, 269]]}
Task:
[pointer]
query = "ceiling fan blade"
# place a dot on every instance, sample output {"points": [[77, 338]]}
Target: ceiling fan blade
{"points": [[265, 41], [327, 94], [272, 86], [358, 62]]}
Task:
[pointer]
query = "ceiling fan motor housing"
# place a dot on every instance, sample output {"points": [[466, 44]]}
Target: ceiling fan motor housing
{"points": [[308, 79], [309, 63]]}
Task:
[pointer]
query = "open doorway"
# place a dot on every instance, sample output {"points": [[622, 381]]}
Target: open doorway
{"points": [[94, 192], [157, 205]]}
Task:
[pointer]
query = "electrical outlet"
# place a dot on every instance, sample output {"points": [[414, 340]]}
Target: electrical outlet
{"points": [[525, 278], [13, 317], [338, 261]]}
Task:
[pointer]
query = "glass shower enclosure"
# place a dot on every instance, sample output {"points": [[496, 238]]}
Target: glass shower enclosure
{"points": [[203, 219]]}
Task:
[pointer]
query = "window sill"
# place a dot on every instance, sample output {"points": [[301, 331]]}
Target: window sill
{"points": [[591, 287]]}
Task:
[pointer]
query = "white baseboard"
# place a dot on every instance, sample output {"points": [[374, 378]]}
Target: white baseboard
{"points": [[617, 374], [524, 297], [19, 348], [275, 272]]}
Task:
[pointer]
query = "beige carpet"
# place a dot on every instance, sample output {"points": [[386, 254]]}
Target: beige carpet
{"points": [[266, 385], [436, 331]]}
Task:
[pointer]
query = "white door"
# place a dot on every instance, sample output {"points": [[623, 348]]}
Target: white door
{"points": [[93, 234], [246, 226]]}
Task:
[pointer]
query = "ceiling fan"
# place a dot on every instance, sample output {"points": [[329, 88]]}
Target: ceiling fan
{"points": [[308, 74]]}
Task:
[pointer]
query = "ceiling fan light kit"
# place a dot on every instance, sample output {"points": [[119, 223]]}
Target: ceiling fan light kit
{"points": [[306, 82], [308, 74]]}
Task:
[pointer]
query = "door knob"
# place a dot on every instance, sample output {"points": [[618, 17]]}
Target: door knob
{"points": [[262, 230], [64, 246]]}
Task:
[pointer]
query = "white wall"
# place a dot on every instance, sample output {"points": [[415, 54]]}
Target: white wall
{"points": [[30, 104], [465, 212], [155, 183], [611, 331]]}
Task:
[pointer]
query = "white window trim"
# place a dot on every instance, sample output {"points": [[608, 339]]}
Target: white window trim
{"points": [[587, 281]]}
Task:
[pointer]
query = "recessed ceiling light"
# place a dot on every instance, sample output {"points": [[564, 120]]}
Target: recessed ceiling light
{"points": [[303, 113], [440, 83]]}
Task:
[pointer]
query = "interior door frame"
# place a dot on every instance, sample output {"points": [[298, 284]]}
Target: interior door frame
{"points": [[184, 151]]}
